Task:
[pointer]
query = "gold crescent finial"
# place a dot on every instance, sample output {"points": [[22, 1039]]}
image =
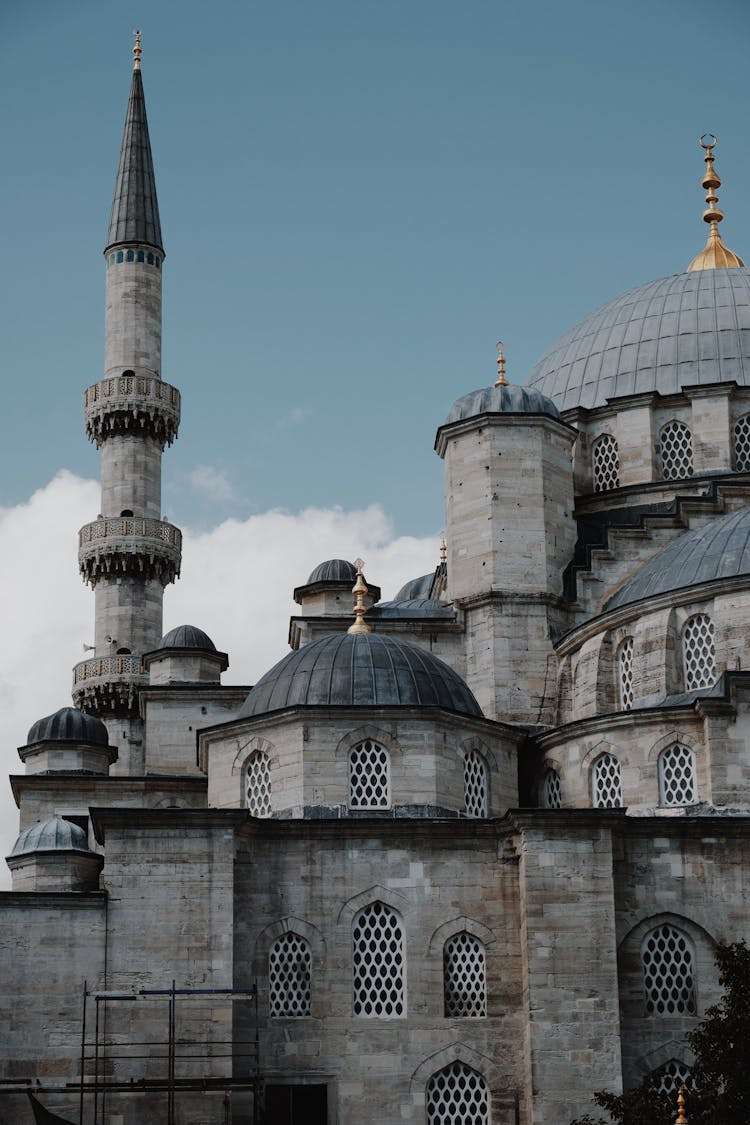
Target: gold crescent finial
{"points": [[137, 52], [359, 590], [681, 1119], [715, 254], [501, 381], [443, 548]]}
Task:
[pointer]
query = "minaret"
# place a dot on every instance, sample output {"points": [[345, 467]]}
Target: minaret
{"points": [[129, 554]]}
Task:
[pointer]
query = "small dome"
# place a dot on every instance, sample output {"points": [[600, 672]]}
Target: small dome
{"points": [[333, 570], [187, 636], [360, 670], [53, 834], [69, 725], [720, 549], [416, 588], [507, 399]]}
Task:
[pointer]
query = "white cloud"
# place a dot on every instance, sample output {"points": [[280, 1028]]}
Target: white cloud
{"points": [[212, 483], [237, 582]]}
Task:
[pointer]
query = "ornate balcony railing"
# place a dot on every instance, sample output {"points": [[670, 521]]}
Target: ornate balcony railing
{"points": [[107, 666], [108, 685], [129, 545], [132, 403]]}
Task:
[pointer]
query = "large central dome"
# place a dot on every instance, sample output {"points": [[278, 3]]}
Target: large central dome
{"points": [[686, 330]]}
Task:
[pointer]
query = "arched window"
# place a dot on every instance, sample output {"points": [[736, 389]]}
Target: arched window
{"points": [[606, 463], [289, 976], [475, 784], [672, 1075], [369, 776], [457, 1093], [378, 962], [551, 792], [624, 665], [464, 976], [258, 785], [698, 652], [677, 776], [676, 448], [667, 960], [742, 444], [606, 786]]}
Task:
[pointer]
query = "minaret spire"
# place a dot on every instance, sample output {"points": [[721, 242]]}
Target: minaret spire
{"points": [[715, 255]]}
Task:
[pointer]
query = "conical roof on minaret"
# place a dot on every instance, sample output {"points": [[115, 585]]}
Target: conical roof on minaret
{"points": [[135, 209]]}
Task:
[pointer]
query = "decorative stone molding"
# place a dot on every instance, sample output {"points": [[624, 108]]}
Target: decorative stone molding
{"points": [[108, 685], [129, 546], [131, 404]]}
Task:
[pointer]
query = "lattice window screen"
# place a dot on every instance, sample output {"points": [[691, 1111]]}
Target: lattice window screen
{"points": [[676, 446], [673, 1075], [606, 460], [606, 785], [378, 962], [551, 792], [457, 1095], [369, 776], [677, 776], [699, 652], [668, 973], [475, 784], [742, 444], [289, 976], [464, 976], [625, 673], [258, 790]]}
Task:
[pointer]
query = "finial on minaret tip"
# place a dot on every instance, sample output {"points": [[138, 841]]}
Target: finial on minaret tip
{"points": [[359, 590], [443, 548], [137, 51], [681, 1119], [501, 381], [715, 254]]}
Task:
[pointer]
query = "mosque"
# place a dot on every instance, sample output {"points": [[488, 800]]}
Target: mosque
{"points": [[459, 858]]}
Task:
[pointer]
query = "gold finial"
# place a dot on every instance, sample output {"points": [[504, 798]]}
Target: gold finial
{"points": [[715, 254], [137, 52], [443, 548], [681, 1119], [359, 590], [501, 381]]}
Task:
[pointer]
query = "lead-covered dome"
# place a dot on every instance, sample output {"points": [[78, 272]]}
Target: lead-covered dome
{"points": [[719, 550], [52, 834], [505, 399], [69, 725], [187, 636], [360, 670], [687, 330], [333, 570]]}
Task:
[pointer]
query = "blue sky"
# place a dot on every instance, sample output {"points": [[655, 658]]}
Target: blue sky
{"points": [[357, 200]]}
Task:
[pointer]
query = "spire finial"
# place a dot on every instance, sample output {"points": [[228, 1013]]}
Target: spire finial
{"points": [[681, 1119], [715, 254], [501, 381], [443, 548], [137, 52], [359, 590]]}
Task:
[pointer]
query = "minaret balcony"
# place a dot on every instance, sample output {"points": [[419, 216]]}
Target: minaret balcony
{"points": [[132, 404], [108, 685], [129, 547]]}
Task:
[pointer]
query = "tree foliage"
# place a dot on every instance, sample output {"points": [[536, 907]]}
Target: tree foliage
{"points": [[718, 1084]]}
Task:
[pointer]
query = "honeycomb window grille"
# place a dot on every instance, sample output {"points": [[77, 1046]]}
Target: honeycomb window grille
{"points": [[676, 448], [551, 791], [289, 976], [742, 444], [369, 776], [258, 785], [672, 1075], [606, 783], [457, 1094], [699, 652], [606, 461], [667, 960], [677, 776], [625, 674], [464, 977], [475, 784], [378, 962]]}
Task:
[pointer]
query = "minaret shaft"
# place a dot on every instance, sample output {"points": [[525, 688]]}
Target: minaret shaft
{"points": [[132, 324]]}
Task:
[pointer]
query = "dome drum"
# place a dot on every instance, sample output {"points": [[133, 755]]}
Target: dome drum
{"points": [[69, 741], [53, 855], [328, 590]]}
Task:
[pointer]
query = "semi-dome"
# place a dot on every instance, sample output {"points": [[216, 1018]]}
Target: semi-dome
{"points": [[505, 399], [719, 550], [360, 670], [333, 570], [52, 834], [691, 329], [69, 725], [187, 636], [411, 607], [416, 588]]}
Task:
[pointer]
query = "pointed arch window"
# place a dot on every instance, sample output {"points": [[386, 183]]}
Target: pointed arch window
{"points": [[699, 652], [606, 463], [676, 449], [742, 444], [624, 665], [668, 976], [475, 784], [378, 967], [258, 785], [551, 792], [672, 1075], [457, 1093], [464, 977], [369, 776], [289, 963], [606, 783], [677, 783]]}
